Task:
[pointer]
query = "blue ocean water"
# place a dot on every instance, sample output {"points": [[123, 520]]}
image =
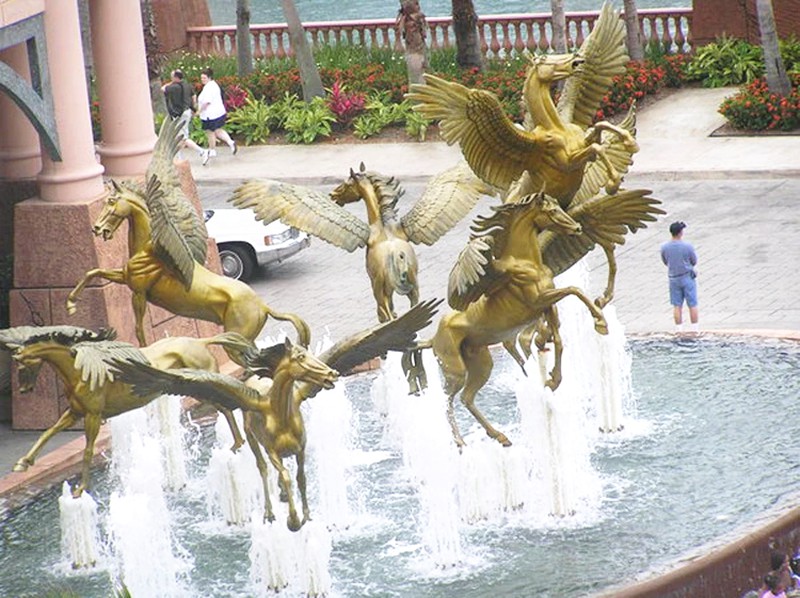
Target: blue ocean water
{"points": [[223, 12]]}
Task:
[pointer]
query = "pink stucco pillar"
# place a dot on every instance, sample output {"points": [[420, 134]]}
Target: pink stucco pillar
{"points": [[78, 176], [123, 89], [20, 155]]}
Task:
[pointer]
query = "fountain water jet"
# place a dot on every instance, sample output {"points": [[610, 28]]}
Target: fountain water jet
{"points": [[79, 533]]}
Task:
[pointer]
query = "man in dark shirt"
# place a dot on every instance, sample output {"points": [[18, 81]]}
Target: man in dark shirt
{"points": [[180, 100], [680, 259]]}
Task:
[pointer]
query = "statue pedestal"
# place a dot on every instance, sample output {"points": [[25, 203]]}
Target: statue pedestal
{"points": [[46, 272]]}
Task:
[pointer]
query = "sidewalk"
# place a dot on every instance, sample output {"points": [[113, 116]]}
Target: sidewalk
{"points": [[739, 195]]}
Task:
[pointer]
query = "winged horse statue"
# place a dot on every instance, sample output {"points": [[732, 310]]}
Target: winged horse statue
{"points": [[565, 153], [167, 243]]}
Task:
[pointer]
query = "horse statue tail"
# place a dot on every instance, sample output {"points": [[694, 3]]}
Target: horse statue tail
{"points": [[237, 346], [303, 331], [402, 270]]}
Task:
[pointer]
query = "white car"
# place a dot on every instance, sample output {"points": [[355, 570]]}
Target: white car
{"points": [[245, 243]]}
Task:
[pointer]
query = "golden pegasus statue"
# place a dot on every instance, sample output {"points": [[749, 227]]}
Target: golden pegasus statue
{"points": [[564, 154], [272, 416], [167, 244], [81, 359], [390, 258]]}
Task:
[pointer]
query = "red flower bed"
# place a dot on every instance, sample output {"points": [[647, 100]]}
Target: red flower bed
{"points": [[754, 108]]}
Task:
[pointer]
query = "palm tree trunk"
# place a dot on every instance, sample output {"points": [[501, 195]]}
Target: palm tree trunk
{"points": [[411, 24], [777, 80], [244, 51], [309, 74], [465, 25], [559, 24], [633, 38]]}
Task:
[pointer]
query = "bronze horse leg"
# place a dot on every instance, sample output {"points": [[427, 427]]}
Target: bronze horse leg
{"points": [[284, 479], [301, 485], [608, 294], [261, 464], [553, 296], [91, 427], [478, 361], [117, 276], [551, 315], [139, 301], [67, 419]]}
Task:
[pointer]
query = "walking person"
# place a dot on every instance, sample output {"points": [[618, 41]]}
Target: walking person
{"points": [[212, 115], [181, 100], [680, 259]]}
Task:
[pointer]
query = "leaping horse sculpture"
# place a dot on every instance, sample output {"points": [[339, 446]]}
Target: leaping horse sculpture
{"points": [[272, 417], [390, 257], [80, 357], [167, 249]]}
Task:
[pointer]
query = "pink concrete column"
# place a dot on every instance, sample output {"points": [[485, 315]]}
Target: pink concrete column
{"points": [[78, 177], [20, 155], [126, 114]]}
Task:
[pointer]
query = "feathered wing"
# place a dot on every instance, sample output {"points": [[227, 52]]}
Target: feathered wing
{"points": [[605, 57], [395, 335], [494, 148], [595, 176], [474, 274], [179, 235], [605, 220], [219, 389], [303, 208], [447, 199], [12, 339], [94, 360]]}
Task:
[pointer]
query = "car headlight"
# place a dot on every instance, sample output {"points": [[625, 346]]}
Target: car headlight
{"points": [[207, 214]]}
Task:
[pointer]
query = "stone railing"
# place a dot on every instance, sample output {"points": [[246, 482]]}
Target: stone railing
{"points": [[500, 35]]}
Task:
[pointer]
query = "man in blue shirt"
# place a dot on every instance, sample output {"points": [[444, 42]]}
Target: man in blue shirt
{"points": [[680, 258]]}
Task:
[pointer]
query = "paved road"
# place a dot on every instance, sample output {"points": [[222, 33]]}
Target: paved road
{"points": [[744, 230]]}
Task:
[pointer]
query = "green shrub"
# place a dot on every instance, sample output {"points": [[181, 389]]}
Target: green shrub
{"points": [[252, 121], [308, 121], [754, 108], [727, 61], [790, 53]]}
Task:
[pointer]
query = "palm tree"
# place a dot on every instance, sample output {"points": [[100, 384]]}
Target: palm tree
{"points": [[411, 24], [777, 81], [244, 52], [559, 24], [465, 25], [634, 38], [309, 74]]}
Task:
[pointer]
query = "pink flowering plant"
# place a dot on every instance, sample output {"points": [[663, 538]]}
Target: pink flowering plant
{"points": [[345, 106], [755, 108]]}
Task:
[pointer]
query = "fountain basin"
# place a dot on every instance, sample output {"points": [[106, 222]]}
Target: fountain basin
{"points": [[707, 450]]}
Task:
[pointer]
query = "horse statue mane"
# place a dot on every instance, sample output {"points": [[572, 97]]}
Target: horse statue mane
{"points": [[389, 191], [496, 225], [265, 363], [63, 335]]}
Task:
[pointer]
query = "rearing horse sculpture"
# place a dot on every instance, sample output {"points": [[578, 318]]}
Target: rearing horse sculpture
{"points": [[272, 416], [80, 358], [390, 257], [500, 285], [566, 155], [167, 247]]}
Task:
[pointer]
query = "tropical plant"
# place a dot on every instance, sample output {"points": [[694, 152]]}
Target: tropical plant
{"points": [[308, 121], [251, 122], [754, 107], [416, 125], [727, 61], [380, 113], [345, 106]]}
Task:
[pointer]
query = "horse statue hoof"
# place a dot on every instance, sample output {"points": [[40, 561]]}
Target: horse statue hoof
{"points": [[21, 465], [601, 327], [293, 523], [503, 439], [71, 308]]}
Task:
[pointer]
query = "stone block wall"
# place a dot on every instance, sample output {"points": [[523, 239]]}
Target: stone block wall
{"points": [[738, 18]]}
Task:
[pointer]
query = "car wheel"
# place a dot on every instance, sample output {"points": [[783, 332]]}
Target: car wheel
{"points": [[236, 262]]}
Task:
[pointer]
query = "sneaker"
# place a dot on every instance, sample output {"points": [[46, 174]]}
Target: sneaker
{"points": [[212, 153], [234, 148], [205, 156]]}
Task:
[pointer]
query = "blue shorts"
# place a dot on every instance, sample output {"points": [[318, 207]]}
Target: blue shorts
{"points": [[213, 124], [683, 288]]}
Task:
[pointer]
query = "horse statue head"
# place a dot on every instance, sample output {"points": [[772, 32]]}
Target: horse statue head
{"points": [[378, 191], [122, 200], [549, 68], [295, 362], [547, 214]]}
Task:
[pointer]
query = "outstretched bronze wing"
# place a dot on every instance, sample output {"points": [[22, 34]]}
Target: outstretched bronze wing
{"points": [[494, 148], [447, 199], [605, 220], [179, 235], [94, 359], [304, 208], [474, 274], [220, 389], [14, 338], [605, 57], [398, 334]]}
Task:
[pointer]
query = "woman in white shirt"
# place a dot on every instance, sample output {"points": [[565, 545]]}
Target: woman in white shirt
{"points": [[212, 113]]}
